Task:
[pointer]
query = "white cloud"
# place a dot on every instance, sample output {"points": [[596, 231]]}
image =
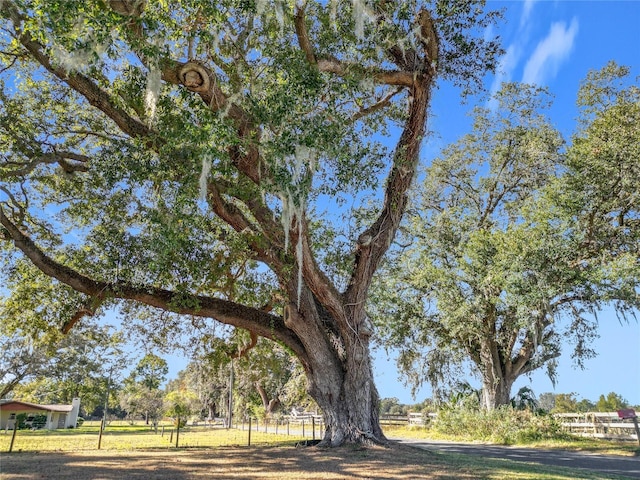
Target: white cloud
{"points": [[526, 11], [550, 53]]}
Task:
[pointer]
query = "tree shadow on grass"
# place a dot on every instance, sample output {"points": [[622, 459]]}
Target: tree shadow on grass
{"points": [[274, 463], [281, 463]]}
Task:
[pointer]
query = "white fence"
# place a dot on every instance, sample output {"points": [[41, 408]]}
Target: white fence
{"points": [[411, 419], [598, 425]]}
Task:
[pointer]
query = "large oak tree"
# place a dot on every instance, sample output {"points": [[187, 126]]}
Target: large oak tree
{"points": [[518, 244], [181, 155]]}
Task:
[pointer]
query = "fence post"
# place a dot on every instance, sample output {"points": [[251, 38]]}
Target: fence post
{"points": [[287, 427], [635, 424], [13, 436], [278, 422], [313, 428], [177, 432], [100, 434], [162, 431], [302, 428], [249, 436], [171, 437]]}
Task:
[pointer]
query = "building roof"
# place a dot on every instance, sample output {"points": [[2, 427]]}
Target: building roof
{"points": [[17, 405]]}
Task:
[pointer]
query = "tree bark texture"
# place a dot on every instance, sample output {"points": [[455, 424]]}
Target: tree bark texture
{"points": [[496, 393]]}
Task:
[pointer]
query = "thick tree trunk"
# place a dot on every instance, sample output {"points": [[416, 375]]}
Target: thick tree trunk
{"points": [[340, 377], [270, 405], [496, 392], [327, 329], [352, 416]]}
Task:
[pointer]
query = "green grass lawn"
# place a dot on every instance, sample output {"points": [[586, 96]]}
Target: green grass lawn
{"points": [[280, 463]]}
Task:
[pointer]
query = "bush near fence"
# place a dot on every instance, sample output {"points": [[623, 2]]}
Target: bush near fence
{"points": [[508, 425]]}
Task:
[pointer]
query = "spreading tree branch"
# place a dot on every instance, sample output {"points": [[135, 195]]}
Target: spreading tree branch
{"points": [[330, 64], [79, 163], [224, 311], [95, 95], [374, 241]]}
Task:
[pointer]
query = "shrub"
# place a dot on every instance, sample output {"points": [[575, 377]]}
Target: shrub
{"points": [[21, 421], [503, 425], [39, 421], [79, 422]]}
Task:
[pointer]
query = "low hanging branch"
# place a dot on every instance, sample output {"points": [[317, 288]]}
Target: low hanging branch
{"points": [[224, 311]]}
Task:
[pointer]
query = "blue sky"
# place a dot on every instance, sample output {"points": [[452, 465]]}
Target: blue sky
{"points": [[554, 44]]}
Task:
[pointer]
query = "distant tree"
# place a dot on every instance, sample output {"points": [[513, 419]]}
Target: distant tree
{"points": [[79, 364], [270, 371], [180, 404], [33, 342], [392, 406], [585, 405], [208, 383], [151, 371], [611, 403], [470, 286], [266, 377], [141, 394], [515, 248], [137, 399], [20, 359], [547, 401], [565, 403], [428, 405]]}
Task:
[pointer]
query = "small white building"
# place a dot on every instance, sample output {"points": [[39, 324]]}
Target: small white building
{"points": [[58, 416]]}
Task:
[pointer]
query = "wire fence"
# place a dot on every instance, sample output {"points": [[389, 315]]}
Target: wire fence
{"points": [[126, 436]]}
